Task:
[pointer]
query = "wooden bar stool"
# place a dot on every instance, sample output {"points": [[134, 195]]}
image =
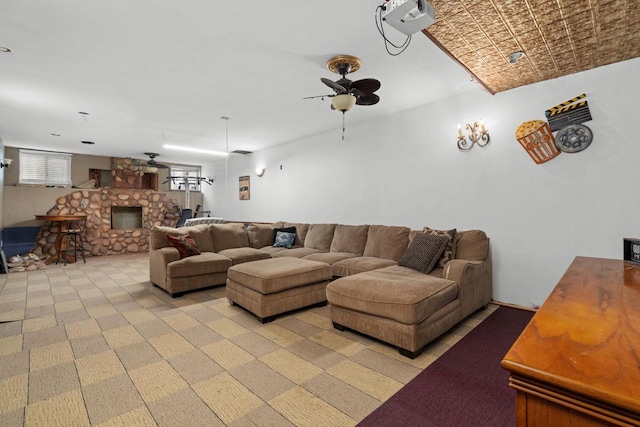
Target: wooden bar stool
{"points": [[72, 239]]}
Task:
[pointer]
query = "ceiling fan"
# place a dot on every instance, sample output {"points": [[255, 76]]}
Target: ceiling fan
{"points": [[152, 162], [348, 93]]}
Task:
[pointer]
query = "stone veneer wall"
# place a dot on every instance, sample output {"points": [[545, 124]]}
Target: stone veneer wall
{"points": [[157, 209]]}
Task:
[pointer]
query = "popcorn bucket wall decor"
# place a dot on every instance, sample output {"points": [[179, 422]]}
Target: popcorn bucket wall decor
{"points": [[538, 141]]}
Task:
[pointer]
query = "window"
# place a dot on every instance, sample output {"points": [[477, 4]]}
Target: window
{"points": [[45, 168], [178, 174]]}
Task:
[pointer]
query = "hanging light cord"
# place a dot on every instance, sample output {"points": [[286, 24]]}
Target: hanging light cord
{"points": [[343, 125], [226, 163]]}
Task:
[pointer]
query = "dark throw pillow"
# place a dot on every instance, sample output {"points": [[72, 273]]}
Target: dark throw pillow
{"points": [[450, 251], [284, 230], [284, 239], [424, 252], [185, 245]]}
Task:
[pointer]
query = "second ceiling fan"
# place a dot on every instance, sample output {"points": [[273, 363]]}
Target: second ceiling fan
{"points": [[153, 163]]}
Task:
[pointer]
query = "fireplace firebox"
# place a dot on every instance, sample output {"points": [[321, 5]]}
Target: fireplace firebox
{"points": [[126, 217]]}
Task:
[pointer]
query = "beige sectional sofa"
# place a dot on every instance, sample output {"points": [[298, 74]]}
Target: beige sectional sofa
{"points": [[370, 292]]}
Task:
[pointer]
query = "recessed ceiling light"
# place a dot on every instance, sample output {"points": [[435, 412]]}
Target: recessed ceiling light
{"points": [[83, 113], [516, 56], [88, 142], [55, 134], [5, 49]]}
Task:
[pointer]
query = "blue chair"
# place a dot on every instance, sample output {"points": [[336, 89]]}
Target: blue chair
{"points": [[18, 240]]}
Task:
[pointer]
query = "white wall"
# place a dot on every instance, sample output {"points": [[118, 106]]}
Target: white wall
{"points": [[408, 171]]}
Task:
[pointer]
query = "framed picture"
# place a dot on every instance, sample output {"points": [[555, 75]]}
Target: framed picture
{"points": [[245, 187]]}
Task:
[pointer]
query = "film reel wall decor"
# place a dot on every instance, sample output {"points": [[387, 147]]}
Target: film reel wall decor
{"points": [[567, 119]]}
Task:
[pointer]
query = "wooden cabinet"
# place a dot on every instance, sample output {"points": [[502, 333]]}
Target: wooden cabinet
{"points": [[577, 363]]}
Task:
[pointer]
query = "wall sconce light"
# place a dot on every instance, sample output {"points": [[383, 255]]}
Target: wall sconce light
{"points": [[478, 134], [4, 163], [260, 171]]}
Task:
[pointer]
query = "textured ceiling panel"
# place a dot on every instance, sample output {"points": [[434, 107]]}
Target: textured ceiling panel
{"points": [[559, 37]]}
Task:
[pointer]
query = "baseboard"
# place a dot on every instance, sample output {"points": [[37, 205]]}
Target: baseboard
{"points": [[520, 307]]}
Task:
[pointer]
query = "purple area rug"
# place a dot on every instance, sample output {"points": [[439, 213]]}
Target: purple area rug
{"points": [[466, 386]]}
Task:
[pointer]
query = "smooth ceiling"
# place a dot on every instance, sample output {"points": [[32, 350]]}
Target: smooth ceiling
{"points": [[150, 73]]}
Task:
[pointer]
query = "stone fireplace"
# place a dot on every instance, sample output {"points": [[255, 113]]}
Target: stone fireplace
{"points": [[129, 236]]}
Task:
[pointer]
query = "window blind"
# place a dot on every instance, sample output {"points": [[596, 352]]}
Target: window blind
{"points": [[45, 168]]}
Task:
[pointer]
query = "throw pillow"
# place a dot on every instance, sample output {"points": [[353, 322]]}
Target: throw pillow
{"points": [[450, 251], [284, 240], [185, 245], [424, 252], [284, 230]]}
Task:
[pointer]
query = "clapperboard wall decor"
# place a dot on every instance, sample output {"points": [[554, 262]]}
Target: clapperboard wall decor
{"points": [[574, 111], [567, 118]]}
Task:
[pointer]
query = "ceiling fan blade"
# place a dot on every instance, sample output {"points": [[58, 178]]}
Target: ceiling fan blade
{"points": [[339, 89], [153, 163], [368, 99], [345, 83], [366, 85]]}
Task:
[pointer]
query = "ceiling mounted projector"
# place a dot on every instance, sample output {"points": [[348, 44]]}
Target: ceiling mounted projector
{"points": [[409, 16]]}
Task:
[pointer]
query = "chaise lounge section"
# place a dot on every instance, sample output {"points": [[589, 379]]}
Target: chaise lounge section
{"points": [[409, 309]]}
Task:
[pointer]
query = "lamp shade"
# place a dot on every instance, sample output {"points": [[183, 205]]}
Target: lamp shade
{"points": [[343, 102]]}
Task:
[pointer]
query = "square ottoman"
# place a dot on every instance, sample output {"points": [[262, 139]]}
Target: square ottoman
{"points": [[274, 286]]}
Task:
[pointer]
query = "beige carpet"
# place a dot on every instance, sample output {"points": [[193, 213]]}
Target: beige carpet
{"points": [[97, 344]]}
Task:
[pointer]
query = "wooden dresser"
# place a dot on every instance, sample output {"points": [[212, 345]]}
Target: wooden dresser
{"points": [[577, 363]]}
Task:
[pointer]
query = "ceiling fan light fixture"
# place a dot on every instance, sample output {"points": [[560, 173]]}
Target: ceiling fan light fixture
{"points": [[343, 102]]}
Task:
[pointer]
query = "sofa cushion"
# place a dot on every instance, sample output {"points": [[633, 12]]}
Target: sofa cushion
{"points": [[246, 254], [356, 265], [271, 250], [388, 242], [199, 233], [260, 235], [350, 239], [450, 251], [472, 245], [395, 292], [319, 236], [284, 239], [424, 252], [301, 231], [185, 245], [330, 257], [197, 265], [226, 236], [295, 252]]}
